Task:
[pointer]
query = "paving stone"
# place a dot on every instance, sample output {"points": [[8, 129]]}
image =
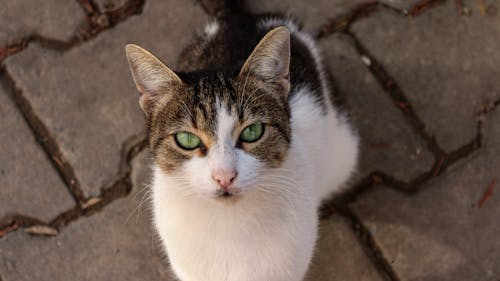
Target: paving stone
{"points": [[56, 19], [447, 64], [114, 244], [388, 143], [29, 185], [441, 233], [339, 255], [312, 13], [86, 96]]}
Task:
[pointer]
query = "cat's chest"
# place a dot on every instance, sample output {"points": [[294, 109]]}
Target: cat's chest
{"points": [[249, 250]]}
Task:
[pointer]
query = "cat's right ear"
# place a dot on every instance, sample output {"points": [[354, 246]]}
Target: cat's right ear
{"points": [[152, 77], [270, 60]]}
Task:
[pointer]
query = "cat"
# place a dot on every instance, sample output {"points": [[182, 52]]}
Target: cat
{"points": [[247, 141]]}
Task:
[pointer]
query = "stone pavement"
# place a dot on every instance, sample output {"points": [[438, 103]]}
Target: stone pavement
{"points": [[420, 79]]}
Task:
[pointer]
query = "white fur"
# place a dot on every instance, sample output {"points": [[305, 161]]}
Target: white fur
{"points": [[211, 29], [329, 141], [269, 233]]}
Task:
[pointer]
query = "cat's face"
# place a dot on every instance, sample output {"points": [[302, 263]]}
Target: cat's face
{"points": [[217, 133]]}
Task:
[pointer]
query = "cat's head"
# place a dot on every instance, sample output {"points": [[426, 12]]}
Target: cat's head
{"points": [[216, 133]]}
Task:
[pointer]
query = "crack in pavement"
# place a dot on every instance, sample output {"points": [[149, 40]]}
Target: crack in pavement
{"points": [[487, 108], [96, 22], [442, 159], [397, 95], [343, 22], [89, 7], [43, 137], [23, 43], [340, 204], [416, 184], [370, 247], [15, 221], [423, 6], [13, 49], [121, 187]]}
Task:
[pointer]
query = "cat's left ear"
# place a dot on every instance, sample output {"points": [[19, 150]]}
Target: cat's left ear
{"points": [[151, 76], [270, 60]]}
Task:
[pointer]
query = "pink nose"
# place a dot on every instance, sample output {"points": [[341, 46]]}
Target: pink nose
{"points": [[224, 178]]}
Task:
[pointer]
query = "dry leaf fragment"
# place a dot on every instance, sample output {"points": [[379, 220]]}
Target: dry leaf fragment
{"points": [[487, 194], [9, 228], [41, 230], [91, 202], [438, 167], [482, 7], [366, 60]]}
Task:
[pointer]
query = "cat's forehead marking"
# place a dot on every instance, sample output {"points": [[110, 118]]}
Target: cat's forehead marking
{"points": [[211, 29], [226, 122]]}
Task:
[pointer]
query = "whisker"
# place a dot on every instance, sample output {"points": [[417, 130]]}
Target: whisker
{"points": [[145, 198]]}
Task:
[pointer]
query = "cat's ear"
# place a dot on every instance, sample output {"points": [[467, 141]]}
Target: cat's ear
{"points": [[152, 77], [270, 60]]}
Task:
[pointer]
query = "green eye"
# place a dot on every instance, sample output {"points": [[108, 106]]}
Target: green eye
{"points": [[252, 133], [187, 140]]}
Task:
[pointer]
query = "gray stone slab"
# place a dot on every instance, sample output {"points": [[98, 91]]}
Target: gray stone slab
{"points": [[86, 96], [56, 19], [447, 64], [441, 233], [312, 13], [116, 244], [388, 143], [339, 255], [29, 185]]}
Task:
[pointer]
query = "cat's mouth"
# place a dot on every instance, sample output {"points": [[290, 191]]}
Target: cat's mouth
{"points": [[228, 195]]}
